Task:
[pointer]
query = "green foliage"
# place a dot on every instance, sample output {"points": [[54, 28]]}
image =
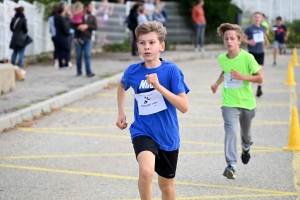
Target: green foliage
{"points": [[118, 47], [294, 29], [216, 13]]}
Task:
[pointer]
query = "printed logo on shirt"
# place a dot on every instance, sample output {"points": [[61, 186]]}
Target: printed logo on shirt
{"points": [[145, 85]]}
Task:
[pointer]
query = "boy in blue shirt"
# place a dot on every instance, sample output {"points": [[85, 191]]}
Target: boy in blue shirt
{"points": [[159, 90]]}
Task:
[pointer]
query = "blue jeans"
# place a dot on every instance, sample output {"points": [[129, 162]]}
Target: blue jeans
{"points": [[199, 37], [86, 48], [17, 52]]}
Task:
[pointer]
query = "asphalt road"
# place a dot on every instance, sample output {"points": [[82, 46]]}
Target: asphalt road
{"points": [[77, 153]]}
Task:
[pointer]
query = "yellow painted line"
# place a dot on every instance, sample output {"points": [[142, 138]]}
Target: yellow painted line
{"points": [[237, 196], [124, 137], [136, 178], [122, 154]]}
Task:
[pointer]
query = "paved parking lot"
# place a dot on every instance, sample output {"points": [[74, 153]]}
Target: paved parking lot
{"points": [[78, 152]]}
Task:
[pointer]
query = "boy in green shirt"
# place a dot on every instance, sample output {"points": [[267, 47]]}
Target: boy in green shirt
{"points": [[239, 68]]}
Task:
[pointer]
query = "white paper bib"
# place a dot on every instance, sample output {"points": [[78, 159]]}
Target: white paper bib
{"points": [[150, 102], [231, 82], [258, 37]]}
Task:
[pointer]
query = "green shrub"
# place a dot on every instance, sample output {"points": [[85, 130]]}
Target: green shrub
{"points": [[118, 47]]}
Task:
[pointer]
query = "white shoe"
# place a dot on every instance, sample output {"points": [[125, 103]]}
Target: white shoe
{"points": [[202, 49], [23, 71], [56, 65], [70, 64], [196, 50]]}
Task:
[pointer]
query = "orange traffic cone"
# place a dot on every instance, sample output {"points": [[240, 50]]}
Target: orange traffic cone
{"points": [[294, 137], [290, 75], [295, 58]]}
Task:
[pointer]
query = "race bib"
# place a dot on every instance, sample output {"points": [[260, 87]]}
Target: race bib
{"points": [[231, 82], [258, 37], [150, 102]]}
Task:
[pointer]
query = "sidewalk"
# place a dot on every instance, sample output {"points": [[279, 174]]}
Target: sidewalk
{"points": [[44, 82]]}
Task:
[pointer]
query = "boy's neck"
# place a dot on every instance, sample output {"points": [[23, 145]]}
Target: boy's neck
{"points": [[257, 25], [233, 53], [152, 64]]}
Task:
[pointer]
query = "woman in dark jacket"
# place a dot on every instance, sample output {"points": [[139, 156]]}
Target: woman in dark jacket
{"points": [[62, 36], [20, 39], [133, 23]]}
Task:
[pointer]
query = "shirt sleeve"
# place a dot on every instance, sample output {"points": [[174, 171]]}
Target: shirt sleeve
{"points": [[177, 82], [284, 27], [247, 32], [254, 67], [125, 80]]}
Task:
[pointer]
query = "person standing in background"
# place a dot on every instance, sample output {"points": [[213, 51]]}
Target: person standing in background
{"points": [[62, 36], [142, 15], [265, 24], [53, 33], [20, 39], [87, 27], [198, 17], [133, 23]]}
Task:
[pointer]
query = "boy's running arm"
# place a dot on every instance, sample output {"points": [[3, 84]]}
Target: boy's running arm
{"points": [[220, 80], [266, 39], [179, 101], [121, 96], [255, 78]]}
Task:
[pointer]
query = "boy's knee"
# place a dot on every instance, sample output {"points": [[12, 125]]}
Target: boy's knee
{"points": [[146, 173], [167, 189]]}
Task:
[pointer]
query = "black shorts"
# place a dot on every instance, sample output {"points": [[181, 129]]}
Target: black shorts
{"points": [[165, 161], [259, 57]]}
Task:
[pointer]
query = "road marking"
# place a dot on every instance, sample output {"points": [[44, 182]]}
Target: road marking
{"points": [[136, 178], [123, 154], [227, 196], [255, 122], [126, 137]]}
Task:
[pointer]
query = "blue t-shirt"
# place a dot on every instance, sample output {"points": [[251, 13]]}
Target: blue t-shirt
{"points": [[250, 31], [279, 33], [162, 126]]}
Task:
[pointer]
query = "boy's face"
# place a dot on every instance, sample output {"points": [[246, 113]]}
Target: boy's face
{"points": [[257, 19], [231, 40], [278, 22], [149, 46]]}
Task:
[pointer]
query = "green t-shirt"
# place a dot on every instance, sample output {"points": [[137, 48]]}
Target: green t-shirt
{"points": [[265, 24], [238, 93]]}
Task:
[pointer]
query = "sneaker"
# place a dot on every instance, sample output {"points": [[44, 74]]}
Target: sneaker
{"points": [[245, 156], [196, 50], [90, 75], [259, 91], [230, 172], [274, 64], [56, 65], [23, 71], [70, 64], [202, 49]]}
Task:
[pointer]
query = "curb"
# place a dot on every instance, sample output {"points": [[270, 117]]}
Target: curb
{"points": [[12, 119]]}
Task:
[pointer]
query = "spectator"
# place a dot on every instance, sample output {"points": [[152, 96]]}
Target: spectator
{"points": [[162, 4], [53, 33], [20, 39], [89, 25], [62, 36], [149, 6], [132, 24], [198, 17], [158, 16], [142, 15]]}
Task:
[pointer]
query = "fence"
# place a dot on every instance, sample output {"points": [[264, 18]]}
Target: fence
{"points": [[289, 10]]}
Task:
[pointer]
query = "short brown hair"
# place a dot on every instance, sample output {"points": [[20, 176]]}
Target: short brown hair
{"points": [[230, 27], [151, 26], [259, 13]]}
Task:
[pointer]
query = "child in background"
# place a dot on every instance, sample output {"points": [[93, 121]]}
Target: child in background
{"points": [[142, 15], [77, 19]]}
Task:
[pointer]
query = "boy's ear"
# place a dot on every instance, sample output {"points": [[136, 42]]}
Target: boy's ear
{"points": [[162, 46]]}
